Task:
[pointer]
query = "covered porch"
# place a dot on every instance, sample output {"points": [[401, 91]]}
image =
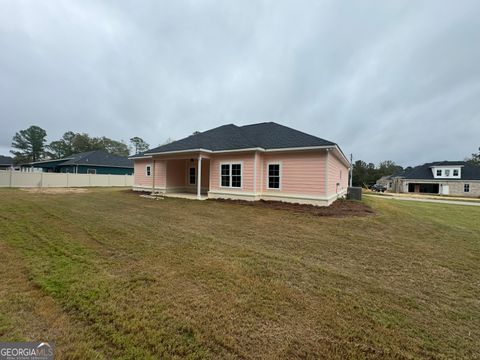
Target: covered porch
{"points": [[184, 176]]}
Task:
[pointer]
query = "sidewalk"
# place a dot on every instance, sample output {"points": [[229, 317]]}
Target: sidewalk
{"points": [[439, 201]]}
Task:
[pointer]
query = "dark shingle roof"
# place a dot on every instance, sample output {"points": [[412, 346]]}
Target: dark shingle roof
{"points": [[424, 172], [6, 160], [268, 135], [96, 157]]}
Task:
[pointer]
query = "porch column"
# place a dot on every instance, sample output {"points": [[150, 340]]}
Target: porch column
{"points": [[199, 177]]}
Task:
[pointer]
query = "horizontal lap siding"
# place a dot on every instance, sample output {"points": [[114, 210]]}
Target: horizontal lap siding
{"points": [[334, 177], [301, 173], [176, 173], [247, 171], [141, 179]]}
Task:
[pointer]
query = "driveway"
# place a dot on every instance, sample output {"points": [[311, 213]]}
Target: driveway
{"points": [[450, 202]]}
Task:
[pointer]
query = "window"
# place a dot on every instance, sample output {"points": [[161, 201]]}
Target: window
{"points": [[191, 176], [148, 170], [91, 171], [455, 172], [439, 172], [447, 172], [466, 188], [231, 175], [274, 176], [225, 175], [236, 175]]}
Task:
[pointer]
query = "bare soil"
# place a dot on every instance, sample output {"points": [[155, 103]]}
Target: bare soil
{"points": [[55, 190], [340, 208]]}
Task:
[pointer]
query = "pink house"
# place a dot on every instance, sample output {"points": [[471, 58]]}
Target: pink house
{"points": [[259, 161]]}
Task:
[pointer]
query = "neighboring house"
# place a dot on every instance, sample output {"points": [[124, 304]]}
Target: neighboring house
{"points": [[91, 162], [441, 177], [6, 162], [260, 161]]}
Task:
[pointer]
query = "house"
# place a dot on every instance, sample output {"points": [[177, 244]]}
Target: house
{"points": [[441, 177], [6, 162], [91, 162], [260, 161]]}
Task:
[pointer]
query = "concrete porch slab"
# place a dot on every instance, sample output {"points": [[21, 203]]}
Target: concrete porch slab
{"points": [[185, 196]]}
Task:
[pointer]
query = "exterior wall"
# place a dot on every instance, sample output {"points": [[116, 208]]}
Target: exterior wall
{"points": [[247, 161], [455, 186], [337, 175], [301, 173], [176, 174], [82, 169], [303, 177], [141, 180]]}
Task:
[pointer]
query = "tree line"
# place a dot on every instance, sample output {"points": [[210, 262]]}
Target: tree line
{"points": [[31, 145]]}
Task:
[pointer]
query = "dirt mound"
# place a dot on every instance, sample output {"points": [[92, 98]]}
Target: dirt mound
{"points": [[340, 208]]}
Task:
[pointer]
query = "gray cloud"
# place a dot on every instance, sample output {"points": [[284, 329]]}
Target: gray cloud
{"points": [[386, 80]]}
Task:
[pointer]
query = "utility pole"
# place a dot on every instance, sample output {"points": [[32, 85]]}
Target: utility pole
{"points": [[351, 169]]}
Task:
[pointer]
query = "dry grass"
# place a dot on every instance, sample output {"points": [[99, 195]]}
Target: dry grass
{"points": [[107, 274]]}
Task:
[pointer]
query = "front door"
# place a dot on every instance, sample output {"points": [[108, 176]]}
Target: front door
{"points": [[445, 189]]}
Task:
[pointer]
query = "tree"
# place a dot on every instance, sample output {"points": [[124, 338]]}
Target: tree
{"points": [[61, 148], [111, 146], [74, 143], [30, 144], [139, 144], [388, 167], [475, 159], [364, 174]]}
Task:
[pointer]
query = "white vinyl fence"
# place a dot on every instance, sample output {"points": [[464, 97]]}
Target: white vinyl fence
{"points": [[44, 179]]}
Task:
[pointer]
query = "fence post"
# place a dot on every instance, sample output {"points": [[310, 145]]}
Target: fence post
{"points": [[11, 176], [89, 179], [125, 179], [41, 179], [67, 180]]}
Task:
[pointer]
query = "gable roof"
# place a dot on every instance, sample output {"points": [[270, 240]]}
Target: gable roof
{"points": [[92, 158], [267, 135], [424, 172], [6, 160]]}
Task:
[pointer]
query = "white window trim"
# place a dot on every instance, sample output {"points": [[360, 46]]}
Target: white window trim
{"points": [[188, 175], [94, 171], [279, 163], [230, 163], [146, 171]]}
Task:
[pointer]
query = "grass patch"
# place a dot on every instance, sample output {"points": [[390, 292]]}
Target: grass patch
{"points": [[107, 274]]}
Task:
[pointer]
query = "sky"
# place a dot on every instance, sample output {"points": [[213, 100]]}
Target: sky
{"points": [[386, 80]]}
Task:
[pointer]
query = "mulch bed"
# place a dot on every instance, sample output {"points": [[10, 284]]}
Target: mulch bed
{"points": [[340, 208]]}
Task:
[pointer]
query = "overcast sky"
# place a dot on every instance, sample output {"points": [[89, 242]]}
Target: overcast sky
{"points": [[395, 80]]}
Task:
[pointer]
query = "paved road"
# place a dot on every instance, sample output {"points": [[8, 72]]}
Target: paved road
{"points": [[451, 202]]}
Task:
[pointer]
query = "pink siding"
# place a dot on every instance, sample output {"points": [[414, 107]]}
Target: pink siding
{"points": [[176, 173], [259, 172], [301, 173], [247, 171], [337, 173], [140, 174]]}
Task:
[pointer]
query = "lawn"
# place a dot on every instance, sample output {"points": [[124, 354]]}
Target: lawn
{"points": [[106, 274]]}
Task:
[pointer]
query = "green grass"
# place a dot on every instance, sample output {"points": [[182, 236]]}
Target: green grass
{"points": [[106, 274]]}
